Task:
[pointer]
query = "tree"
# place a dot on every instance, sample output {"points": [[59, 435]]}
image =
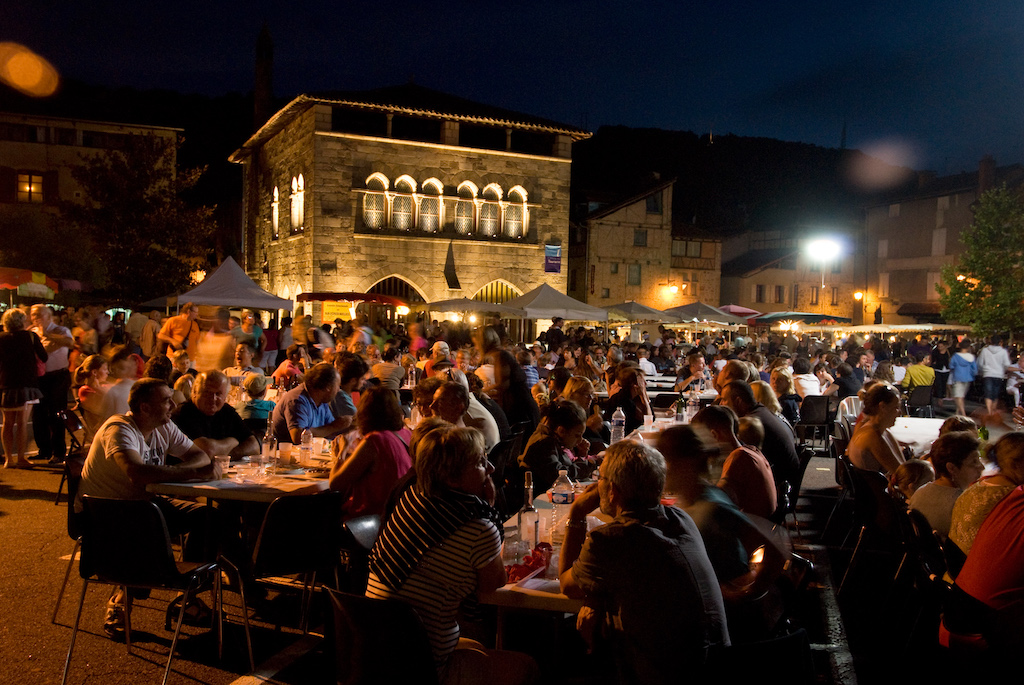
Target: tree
{"points": [[146, 238], [985, 287]]}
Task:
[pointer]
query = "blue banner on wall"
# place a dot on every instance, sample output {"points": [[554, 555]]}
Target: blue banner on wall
{"points": [[552, 259]]}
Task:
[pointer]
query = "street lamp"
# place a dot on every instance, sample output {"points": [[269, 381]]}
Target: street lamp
{"points": [[823, 250]]}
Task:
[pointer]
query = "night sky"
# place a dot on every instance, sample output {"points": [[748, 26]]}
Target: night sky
{"points": [[926, 83]]}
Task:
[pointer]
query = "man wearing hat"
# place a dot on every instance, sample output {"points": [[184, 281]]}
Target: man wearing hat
{"points": [[438, 352]]}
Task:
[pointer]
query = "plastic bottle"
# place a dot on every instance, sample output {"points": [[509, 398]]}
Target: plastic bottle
{"points": [[528, 519], [692, 407], [562, 496], [618, 425], [269, 452], [306, 448]]}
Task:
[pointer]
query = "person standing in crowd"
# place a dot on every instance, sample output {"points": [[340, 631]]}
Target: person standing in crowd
{"points": [[993, 361], [149, 341], [181, 332], [21, 353], [54, 384], [555, 337]]}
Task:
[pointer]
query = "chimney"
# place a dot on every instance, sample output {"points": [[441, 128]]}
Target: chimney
{"points": [[986, 173], [263, 88]]}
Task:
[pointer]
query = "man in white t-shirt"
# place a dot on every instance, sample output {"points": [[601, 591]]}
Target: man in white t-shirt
{"points": [[129, 452], [993, 361]]}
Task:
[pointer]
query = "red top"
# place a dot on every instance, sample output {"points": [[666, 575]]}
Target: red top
{"points": [[994, 570]]}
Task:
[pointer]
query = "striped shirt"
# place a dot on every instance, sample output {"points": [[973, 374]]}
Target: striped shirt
{"points": [[445, 576]]}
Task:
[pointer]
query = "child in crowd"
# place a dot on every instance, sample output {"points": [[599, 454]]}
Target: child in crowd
{"points": [[255, 385], [911, 475]]}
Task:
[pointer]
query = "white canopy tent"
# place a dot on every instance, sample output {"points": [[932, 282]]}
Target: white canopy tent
{"points": [[229, 286], [544, 302]]}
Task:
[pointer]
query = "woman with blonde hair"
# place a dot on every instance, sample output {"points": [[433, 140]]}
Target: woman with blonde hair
{"points": [[764, 394], [21, 357], [441, 544], [781, 381]]}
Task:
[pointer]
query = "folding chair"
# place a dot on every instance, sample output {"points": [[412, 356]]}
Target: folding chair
{"points": [[126, 543]]}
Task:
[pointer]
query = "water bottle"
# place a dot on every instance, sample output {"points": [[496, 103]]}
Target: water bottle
{"points": [[562, 497], [306, 448], [692, 407], [528, 519], [618, 425], [269, 452]]}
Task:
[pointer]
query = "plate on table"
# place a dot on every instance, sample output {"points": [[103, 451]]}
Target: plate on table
{"points": [[289, 471]]}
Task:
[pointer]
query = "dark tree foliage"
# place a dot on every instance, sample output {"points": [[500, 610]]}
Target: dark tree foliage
{"points": [[144, 238], [985, 287]]}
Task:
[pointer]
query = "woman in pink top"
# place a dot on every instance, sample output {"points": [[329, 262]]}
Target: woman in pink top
{"points": [[380, 459], [90, 378]]}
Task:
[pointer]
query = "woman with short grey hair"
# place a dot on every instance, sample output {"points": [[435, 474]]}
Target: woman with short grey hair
{"points": [[20, 350]]}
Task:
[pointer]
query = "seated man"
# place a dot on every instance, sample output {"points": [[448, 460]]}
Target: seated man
{"points": [[309, 406], [212, 423], [746, 474], [351, 370], [475, 414], [918, 373], [129, 452], [646, 574], [779, 446]]}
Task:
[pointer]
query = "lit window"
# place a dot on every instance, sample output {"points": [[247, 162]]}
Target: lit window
{"points": [[401, 204], [298, 203], [430, 206], [693, 249], [465, 209], [275, 213], [490, 210], [633, 274], [30, 188], [515, 213], [374, 201]]}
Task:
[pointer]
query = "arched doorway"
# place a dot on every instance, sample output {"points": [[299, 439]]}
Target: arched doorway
{"points": [[392, 286], [499, 292]]}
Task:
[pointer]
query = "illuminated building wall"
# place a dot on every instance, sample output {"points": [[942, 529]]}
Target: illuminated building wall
{"points": [[631, 251], [386, 188]]}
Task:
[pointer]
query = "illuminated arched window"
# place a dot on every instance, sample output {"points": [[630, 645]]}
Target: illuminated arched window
{"points": [[401, 204], [465, 209], [430, 220], [298, 203], [375, 201], [490, 210], [275, 214], [515, 213]]}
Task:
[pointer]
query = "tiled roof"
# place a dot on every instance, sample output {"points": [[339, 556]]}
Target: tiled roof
{"points": [[756, 260]]}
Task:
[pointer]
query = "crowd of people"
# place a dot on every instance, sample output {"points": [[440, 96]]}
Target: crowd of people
{"points": [[161, 397]]}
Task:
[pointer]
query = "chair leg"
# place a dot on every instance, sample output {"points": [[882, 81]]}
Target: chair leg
{"points": [[853, 560], [189, 593], [63, 479], [839, 502], [74, 632], [127, 604], [67, 577], [218, 606], [307, 600]]}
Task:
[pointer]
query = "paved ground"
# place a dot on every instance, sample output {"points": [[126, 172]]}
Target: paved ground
{"points": [[35, 552]]}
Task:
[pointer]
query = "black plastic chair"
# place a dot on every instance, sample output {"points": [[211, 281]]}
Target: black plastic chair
{"points": [[502, 456], [366, 632], [76, 451], [359, 536], [919, 402], [299, 535], [817, 419], [787, 505], [879, 516], [126, 543], [664, 400], [74, 526]]}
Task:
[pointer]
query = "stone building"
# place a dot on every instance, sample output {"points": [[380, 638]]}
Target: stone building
{"points": [[911, 236], [405, 192], [633, 249]]}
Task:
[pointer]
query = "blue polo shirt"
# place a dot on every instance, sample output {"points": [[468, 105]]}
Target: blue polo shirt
{"points": [[296, 409]]}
